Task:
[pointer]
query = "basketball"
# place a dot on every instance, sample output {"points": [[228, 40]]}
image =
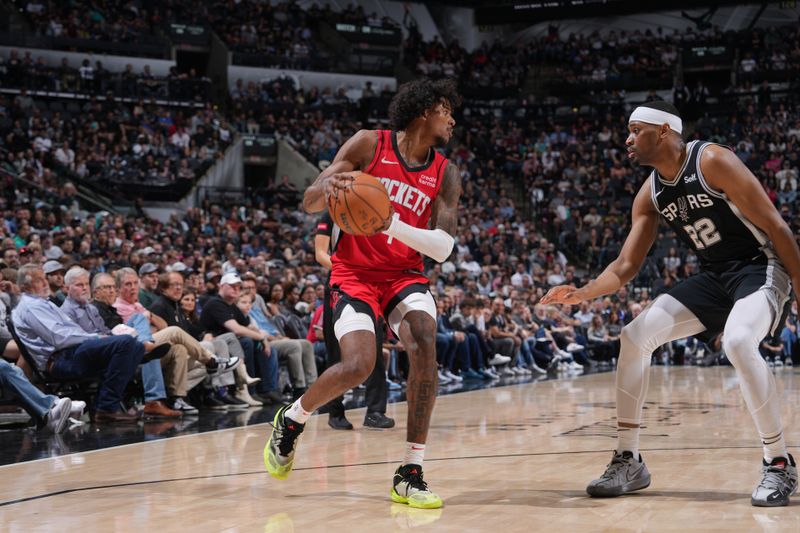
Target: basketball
{"points": [[362, 208]]}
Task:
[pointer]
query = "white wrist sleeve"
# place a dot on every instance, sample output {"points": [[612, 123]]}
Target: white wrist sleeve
{"points": [[435, 243]]}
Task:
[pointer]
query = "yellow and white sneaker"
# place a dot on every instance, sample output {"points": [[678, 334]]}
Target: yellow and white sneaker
{"points": [[408, 487], [279, 451]]}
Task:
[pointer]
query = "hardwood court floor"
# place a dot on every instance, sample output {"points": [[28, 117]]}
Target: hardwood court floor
{"points": [[506, 459]]}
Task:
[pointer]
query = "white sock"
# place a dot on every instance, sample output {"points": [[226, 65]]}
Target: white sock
{"points": [[415, 454], [297, 413], [774, 446], [628, 440]]}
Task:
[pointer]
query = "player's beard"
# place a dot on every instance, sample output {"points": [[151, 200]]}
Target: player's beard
{"points": [[439, 142]]}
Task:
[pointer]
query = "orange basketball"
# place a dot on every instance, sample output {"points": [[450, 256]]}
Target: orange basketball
{"points": [[362, 208]]}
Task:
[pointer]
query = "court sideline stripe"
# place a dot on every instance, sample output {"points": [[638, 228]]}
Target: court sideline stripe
{"points": [[467, 457]]}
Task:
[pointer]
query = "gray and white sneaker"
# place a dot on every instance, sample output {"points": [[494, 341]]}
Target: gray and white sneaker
{"points": [[179, 404], [778, 482], [623, 474], [57, 418]]}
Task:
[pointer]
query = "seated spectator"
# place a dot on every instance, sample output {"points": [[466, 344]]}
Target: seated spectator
{"points": [[61, 348], [104, 294], [221, 315], [46, 410], [78, 307], [169, 307], [55, 280], [504, 341], [603, 345], [148, 276], [8, 348], [298, 353], [183, 345], [771, 350]]}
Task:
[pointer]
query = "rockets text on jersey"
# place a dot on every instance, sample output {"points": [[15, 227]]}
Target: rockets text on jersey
{"points": [[412, 192]]}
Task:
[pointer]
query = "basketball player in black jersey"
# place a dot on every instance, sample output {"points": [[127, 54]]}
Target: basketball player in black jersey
{"points": [[749, 262]]}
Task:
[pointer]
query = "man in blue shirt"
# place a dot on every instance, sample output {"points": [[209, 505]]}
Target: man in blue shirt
{"points": [[62, 348]]}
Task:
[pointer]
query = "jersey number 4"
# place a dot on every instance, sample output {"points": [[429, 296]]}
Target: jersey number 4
{"points": [[703, 233]]}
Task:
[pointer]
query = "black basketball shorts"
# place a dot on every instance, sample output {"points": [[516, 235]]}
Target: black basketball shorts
{"points": [[710, 295]]}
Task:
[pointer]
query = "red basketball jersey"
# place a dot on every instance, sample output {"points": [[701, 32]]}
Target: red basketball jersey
{"points": [[412, 191]]}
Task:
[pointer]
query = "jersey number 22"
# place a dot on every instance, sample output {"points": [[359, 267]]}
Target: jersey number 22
{"points": [[703, 233]]}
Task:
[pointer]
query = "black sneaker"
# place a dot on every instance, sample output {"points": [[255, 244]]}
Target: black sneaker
{"points": [[339, 422], [234, 404], [270, 398], [211, 403], [378, 421], [408, 487]]}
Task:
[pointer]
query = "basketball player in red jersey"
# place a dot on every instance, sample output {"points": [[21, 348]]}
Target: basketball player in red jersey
{"points": [[382, 275]]}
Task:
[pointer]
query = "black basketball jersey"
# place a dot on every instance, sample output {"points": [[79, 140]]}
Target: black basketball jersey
{"points": [[705, 219]]}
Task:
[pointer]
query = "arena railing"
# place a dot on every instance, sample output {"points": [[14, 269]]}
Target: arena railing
{"points": [[144, 47]]}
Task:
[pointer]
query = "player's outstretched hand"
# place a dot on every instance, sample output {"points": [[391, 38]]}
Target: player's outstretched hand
{"points": [[562, 294], [337, 182]]}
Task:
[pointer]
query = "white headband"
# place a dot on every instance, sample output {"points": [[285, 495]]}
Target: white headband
{"points": [[648, 115]]}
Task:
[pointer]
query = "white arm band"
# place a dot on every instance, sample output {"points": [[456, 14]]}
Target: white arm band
{"points": [[435, 243]]}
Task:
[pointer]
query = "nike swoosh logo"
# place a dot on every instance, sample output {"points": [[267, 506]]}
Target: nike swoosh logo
{"points": [[383, 160], [659, 192], [631, 475]]}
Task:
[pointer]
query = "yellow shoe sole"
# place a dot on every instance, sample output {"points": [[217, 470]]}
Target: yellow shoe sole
{"points": [[275, 470], [434, 502]]}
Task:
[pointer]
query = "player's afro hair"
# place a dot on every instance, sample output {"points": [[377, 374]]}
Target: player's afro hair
{"points": [[416, 97]]}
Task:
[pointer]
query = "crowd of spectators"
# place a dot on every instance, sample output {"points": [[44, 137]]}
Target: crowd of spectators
{"points": [[270, 34], [105, 20], [545, 201], [109, 142], [490, 71], [23, 71]]}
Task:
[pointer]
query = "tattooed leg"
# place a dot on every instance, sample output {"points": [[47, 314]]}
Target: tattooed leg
{"points": [[418, 335]]}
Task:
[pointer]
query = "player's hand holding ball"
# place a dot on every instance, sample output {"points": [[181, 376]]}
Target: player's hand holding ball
{"points": [[337, 182], [358, 203], [562, 294]]}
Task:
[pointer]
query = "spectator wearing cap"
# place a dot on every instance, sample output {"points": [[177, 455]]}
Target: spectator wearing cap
{"points": [[148, 277], [25, 255], [181, 268], [184, 346], [168, 307], [62, 348], [298, 353], [54, 271], [221, 315]]}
